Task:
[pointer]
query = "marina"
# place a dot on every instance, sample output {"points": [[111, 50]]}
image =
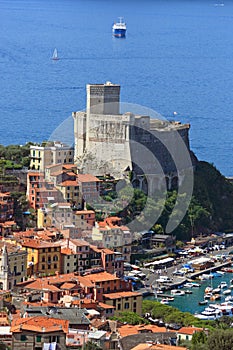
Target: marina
{"points": [[195, 302]]}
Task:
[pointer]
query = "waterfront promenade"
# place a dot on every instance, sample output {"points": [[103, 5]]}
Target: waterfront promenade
{"points": [[151, 284]]}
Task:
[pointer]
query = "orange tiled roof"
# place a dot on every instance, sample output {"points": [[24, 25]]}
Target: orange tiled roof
{"points": [[39, 284], [122, 295], [148, 346], [31, 243], [68, 183], [106, 306], [68, 285], [130, 329], [79, 242], [101, 277], [67, 251], [189, 330], [87, 178], [40, 324], [107, 251], [69, 166]]}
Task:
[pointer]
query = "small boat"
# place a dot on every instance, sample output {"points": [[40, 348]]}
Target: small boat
{"points": [[215, 297], [164, 301], [216, 290], [177, 292], [226, 292], [222, 285], [227, 269], [170, 298], [203, 302], [188, 285], [188, 291], [208, 295], [197, 285], [119, 28], [55, 55], [208, 289], [229, 298], [220, 272]]}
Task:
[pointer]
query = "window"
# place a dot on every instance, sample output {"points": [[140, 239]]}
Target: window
{"points": [[43, 267], [38, 338], [126, 305], [43, 258], [23, 337], [118, 306], [55, 266]]}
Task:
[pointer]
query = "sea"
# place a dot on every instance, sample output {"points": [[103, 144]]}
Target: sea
{"points": [[177, 57]]}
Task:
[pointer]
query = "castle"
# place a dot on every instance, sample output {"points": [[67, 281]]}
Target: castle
{"points": [[108, 142]]}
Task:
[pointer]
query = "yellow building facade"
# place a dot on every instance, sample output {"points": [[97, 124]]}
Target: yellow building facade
{"points": [[44, 258]]}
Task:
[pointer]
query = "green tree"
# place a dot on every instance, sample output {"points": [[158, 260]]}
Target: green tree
{"points": [[91, 346], [220, 340], [198, 338], [196, 213], [130, 318]]}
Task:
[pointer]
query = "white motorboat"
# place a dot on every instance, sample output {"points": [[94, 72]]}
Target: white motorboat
{"points": [[164, 301], [216, 290], [222, 285], [177, 292], [227, 292]]}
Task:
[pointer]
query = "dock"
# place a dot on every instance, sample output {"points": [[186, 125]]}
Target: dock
{"points": [[210, 269]]}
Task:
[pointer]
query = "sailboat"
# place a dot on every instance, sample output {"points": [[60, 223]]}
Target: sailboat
{"points": [[55, 55]]}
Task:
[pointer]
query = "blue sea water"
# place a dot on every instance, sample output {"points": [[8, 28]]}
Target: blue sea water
{"points": [[177, 56], [190, 302]]}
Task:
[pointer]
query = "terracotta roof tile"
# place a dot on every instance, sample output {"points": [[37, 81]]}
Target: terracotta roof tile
{"points": [[87, 178], [100, 277], [68, 285], [121, 295], [40, 324]]}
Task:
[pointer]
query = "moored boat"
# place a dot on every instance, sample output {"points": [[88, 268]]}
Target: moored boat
{"points": [[177, 292], [226, 292], [164, 301], [188, 291], [222, 285], [216, 290], [208, 289]]}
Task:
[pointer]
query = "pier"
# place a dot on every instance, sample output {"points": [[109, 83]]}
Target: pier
{"points": [[210, 269]]}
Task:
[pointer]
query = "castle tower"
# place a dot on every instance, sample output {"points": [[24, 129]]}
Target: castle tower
{"points": [[103, 98]]}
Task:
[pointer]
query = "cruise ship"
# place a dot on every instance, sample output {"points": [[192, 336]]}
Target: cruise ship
{"points": [[119, 28]]}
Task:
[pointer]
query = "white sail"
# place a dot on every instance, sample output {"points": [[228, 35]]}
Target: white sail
{"points": [[55, 55]]}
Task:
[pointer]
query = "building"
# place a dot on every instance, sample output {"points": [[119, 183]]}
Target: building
{"points": [[42, 257], [42, 332], [124, 301], [107, 142], [39, 191], [52, 152], [13, 265], [114, 235]]}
